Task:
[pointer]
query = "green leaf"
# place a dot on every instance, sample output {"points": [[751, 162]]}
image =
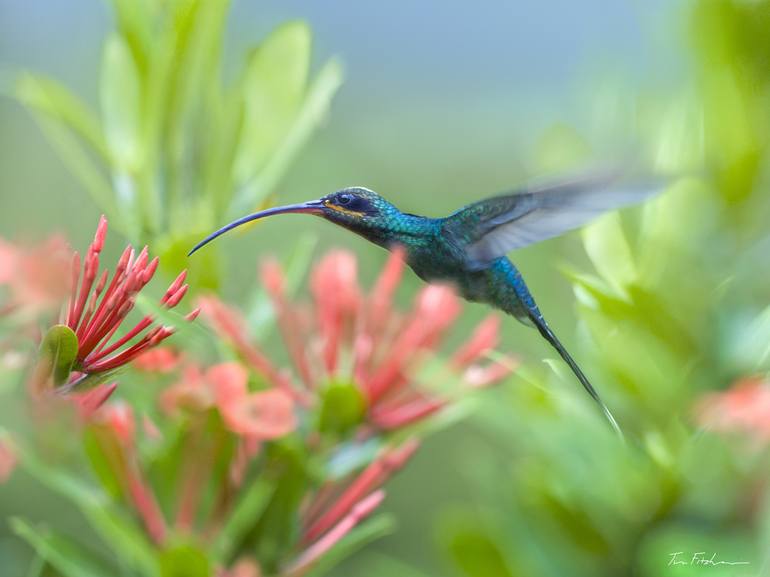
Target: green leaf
{"points": [[379, 565], [242, 518], [313, 110], [65, 139], [475, 552], [272, 90], [58, 352], [185, 560], [125, 539], [370, 530], [49, 98], [342, 407], [68, 557], [120, 93], [609, 252]]}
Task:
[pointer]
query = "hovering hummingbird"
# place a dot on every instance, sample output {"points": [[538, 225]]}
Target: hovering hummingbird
{"points": [[468, 248]]}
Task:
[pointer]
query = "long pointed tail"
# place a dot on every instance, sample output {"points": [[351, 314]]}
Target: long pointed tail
{"points": [[548, 335]]}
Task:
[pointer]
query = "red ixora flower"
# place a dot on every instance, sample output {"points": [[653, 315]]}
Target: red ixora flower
{"points": [[338, 506], [744, 408], [362, 338], [97, 308]]}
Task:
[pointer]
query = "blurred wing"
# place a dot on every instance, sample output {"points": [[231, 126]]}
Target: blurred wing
{"points": [[490, 228]]}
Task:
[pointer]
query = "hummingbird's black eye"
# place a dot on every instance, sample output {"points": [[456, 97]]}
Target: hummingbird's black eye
{"points": [[344, 199]]}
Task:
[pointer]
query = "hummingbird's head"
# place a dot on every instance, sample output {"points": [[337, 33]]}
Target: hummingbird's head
{"points": [[358, 209]]}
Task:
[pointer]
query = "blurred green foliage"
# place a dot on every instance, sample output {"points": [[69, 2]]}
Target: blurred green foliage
{"points": [[175, 151], [675, 306]]}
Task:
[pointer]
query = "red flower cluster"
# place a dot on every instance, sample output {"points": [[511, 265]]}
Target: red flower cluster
{"points": [[362, 339], [96, 309]]}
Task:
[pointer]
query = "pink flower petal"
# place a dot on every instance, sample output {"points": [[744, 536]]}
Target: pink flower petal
{"points": [[263, 415], [8, 460], [229, 382]]}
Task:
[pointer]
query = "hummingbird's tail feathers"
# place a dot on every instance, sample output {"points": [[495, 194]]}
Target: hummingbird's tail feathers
{"points": [[548, 335]]}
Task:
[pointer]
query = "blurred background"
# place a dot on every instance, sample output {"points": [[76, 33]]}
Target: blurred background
{"points": [[447, 102]]}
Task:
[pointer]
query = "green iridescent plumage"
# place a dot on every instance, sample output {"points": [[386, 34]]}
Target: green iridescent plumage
{"points": [[468, 247]]}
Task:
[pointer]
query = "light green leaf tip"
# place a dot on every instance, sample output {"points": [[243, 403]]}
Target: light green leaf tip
{"points": [[607, 247]]}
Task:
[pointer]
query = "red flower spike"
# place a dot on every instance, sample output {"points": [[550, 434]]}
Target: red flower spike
{"points": [[335, 289], [360, 511], [90, 401], [435, 309], [479, 377], [272, 277], [381, 299], [388, 418], [118, 420], [484, 338], [384, 467], [95, 313]]}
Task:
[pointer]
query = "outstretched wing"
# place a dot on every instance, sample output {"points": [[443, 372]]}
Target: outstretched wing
{"points": [[488, 229]]}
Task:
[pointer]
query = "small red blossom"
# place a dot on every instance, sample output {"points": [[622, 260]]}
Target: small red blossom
{"points": [[90, 401], [744, 408], [353, 336], [244, 567], [97, 308], [8, 460], [259, 415], [162, 360], [33, 275]]}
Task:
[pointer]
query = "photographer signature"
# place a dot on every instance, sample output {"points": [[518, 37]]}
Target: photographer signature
{"points": [[701, 558]]}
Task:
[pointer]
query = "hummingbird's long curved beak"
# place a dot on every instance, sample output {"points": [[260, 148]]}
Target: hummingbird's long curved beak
{"points": [[312, 207]]}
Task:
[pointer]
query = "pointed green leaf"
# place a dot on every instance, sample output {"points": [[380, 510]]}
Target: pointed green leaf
{"points": [[242, 518], [68, 557], [49, 98], [120, 93], [368, 531], [606, 245], [312, 112], [57, 353], [125, 539], [474, 550], [69, 131], [273, 88]]}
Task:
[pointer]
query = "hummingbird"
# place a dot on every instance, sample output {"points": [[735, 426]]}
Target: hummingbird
{"points": [[469, 247]]}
